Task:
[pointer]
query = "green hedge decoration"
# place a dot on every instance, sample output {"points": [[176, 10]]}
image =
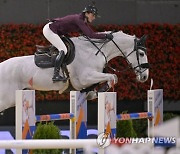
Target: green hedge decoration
{"points": [[125, 129], [47, 131]]}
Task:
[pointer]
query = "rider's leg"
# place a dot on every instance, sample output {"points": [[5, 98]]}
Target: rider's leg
{"points": [[55, 40], [58, 63]]}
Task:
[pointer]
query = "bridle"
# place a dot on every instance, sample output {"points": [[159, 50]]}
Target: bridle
{"points": [[140, 68], [144, 66], [137, 45]]}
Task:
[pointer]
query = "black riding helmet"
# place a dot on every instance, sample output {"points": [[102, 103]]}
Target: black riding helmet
{"points": [[92, 9]]}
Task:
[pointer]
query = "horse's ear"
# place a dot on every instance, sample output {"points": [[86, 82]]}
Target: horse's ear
{"points": [[142, 40], [144, 37]]}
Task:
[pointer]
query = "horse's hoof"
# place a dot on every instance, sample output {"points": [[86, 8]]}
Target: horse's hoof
{"points": [[91, 95]]}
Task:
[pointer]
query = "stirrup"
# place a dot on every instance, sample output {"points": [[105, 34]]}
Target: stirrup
{"points": [[59, 78]]}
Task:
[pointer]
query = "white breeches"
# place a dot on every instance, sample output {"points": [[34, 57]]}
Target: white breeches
{"points": [[53, 38]]}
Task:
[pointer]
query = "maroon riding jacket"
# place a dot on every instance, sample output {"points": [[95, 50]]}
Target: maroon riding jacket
{"points": [[74, 23]]}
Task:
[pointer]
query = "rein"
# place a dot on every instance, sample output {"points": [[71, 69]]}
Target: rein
{"points": [[136, 47], [99, 49]]}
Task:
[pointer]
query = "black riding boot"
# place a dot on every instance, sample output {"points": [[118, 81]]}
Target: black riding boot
{"points": [[58, 63]]}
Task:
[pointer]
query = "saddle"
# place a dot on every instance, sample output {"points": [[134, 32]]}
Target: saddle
{"points": [[45, 56]]}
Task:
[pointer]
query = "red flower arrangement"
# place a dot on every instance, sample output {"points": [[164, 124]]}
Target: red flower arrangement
{"points": [[163, 50]]}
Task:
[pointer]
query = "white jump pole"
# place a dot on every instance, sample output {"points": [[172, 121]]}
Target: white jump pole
{"points": [[155, 106], [48, 144], [78, 126], [78, 106], [106, 116], [107, 112], [24, 100], [25, 114]]}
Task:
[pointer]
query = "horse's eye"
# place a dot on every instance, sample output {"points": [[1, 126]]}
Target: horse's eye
{"points": [[141, 54]]}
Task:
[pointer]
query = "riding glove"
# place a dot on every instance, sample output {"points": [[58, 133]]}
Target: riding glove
{"points": [[109, 36]]}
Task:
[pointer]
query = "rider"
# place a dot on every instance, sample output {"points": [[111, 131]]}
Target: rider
{"points": [[67, 24]]}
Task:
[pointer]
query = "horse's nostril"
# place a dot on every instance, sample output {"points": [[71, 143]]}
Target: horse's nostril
{"points": [[144, 77]]}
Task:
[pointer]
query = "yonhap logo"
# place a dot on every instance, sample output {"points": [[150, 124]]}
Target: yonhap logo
{"points": [[103, 140]]}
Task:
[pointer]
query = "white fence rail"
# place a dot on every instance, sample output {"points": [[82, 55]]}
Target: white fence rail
{"points": [[48, 144]]}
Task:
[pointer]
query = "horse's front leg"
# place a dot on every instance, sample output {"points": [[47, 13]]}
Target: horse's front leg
{"points": [[93, 77]]}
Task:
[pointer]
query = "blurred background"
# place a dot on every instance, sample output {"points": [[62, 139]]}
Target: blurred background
{"points": [[111, 11]]}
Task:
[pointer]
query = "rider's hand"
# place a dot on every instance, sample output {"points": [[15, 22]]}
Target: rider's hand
{"points": [[109, 36]]}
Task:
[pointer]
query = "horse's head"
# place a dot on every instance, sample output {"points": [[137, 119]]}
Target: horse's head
{"points": [[135, 53], [138, 59]]}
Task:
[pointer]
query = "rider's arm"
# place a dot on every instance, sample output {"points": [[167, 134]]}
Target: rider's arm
{"points": [[88, 31]]}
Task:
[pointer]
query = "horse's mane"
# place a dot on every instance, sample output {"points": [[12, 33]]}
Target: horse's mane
{"points": [[122, 34], [82, 41]]}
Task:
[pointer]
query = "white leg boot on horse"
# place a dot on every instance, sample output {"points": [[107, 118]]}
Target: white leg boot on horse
{"points": [[58, 63]]}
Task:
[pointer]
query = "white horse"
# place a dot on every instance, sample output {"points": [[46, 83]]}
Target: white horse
{"points": [[86, 69]]}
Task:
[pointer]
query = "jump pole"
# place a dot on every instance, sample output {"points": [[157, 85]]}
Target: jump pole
{"points": [[155, 106], [26, 117], [107, 116]]}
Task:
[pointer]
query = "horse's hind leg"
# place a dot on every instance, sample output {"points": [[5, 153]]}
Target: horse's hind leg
{"points": [[2, 106], [7, 99], [94, 94]]}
